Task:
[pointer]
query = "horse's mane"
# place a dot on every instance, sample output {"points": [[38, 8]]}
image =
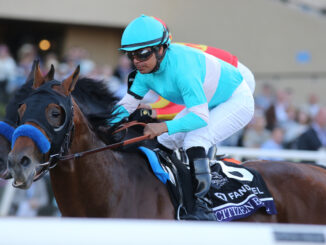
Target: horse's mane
{"points": [[97, 103], [93, 96]]}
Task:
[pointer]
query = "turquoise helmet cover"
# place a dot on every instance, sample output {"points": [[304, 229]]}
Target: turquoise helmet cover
{"points": [[144, 31]]}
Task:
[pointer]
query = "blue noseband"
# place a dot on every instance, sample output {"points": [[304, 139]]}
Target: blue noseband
{"points": [[35, 134]]}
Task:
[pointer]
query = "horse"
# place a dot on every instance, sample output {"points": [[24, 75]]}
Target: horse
{"points": [[119, 184], [11, 118], [87, 187], [91, 96]]}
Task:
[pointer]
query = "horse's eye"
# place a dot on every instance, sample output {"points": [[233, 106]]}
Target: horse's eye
{"points": [[55, 114]]}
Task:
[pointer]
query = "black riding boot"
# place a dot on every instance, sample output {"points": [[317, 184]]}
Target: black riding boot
{"points": [[201, 181]]}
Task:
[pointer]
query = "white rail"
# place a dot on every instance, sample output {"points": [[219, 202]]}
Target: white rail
{"points": [[293, 155], [53, 231]]}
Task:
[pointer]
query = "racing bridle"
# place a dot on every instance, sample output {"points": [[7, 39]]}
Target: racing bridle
{"points": [[60, 138]]}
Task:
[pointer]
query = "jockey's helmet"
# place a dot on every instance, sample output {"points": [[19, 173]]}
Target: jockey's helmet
{"points": [[144, 31]]}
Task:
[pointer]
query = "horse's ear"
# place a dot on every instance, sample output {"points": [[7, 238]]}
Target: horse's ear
{"points": [[70, 82], [38, 77], [31, 73], [50, 75]]}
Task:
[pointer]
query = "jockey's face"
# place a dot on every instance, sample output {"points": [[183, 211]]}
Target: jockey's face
{"points": [[145, 65]]}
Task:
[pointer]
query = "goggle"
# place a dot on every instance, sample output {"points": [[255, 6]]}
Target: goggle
{"points": [[141, 54]]}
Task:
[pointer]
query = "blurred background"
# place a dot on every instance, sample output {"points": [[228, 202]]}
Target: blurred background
{"points": [[281, 41]]}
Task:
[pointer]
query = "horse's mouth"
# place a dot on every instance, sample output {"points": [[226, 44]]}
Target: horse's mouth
{"points": [[18, 184], [24, 183]]}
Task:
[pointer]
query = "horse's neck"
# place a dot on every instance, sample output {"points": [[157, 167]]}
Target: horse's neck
{"points": [[103, 184], [72, 180], [84, 138]]}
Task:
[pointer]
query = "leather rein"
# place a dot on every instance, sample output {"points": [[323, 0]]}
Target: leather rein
{"points": [[55, 158]]}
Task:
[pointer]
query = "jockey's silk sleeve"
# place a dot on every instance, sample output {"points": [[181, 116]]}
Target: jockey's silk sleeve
{"points": [[129, 103], [184, 124]]}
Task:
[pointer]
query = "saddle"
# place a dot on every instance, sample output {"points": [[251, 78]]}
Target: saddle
{"points": [[236, 191]]}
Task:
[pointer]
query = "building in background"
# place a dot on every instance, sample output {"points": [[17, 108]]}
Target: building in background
{"points": [[280, 44]]}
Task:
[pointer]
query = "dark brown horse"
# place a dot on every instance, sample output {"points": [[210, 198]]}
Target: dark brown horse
{"points": [[120, 184]]}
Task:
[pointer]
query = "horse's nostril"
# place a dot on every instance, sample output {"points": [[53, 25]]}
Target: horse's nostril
{"points": [[25, 161]]}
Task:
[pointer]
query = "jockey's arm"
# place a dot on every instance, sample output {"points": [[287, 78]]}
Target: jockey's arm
{"points": [[127, 105], [193, 95]]}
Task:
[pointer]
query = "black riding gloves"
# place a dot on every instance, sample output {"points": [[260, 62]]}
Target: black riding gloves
{"points": [[141, 115]]}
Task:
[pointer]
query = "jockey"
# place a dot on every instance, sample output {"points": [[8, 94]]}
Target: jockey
{"points": [[218, 102], [166, 110]]}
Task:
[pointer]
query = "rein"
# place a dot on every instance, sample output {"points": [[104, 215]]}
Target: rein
{"points": [[55, 158]]}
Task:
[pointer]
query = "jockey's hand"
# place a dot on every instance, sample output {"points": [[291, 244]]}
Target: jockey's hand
{"points": [[144, 106], [141, 115], [155, 129]]}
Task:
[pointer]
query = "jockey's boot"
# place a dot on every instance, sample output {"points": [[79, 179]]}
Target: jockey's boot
{"points": [[212, 152], [201, 182]]}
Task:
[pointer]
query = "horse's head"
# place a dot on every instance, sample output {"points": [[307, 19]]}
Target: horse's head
{"points": [[10, 122], [46, 118]]}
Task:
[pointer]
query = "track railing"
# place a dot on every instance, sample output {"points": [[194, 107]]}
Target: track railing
{"points": [[291, 155], [237, 152]]}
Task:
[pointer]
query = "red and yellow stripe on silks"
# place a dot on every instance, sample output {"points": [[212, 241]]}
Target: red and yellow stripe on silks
{"points": [[197, 46], [218, 53], [160, 103], [169, 112], [166, 110], [163, 23]]}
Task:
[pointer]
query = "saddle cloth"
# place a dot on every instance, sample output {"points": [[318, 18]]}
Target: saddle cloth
{"points": [[236, 191]]}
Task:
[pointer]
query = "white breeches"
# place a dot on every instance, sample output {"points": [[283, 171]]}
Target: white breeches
{"points": [[247, 76], [224, 120]]}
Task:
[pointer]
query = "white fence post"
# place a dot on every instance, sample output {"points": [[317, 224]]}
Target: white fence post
{"points": [[6, 199]]}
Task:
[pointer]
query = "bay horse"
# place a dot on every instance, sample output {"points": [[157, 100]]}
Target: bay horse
{"points": [[120, 184], [91, 96]]}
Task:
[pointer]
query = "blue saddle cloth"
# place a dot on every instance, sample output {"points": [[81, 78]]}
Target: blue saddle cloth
{"points": [[155, 164]]}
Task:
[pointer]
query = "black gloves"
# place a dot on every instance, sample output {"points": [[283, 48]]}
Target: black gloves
{"points": [[141, 115]]}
